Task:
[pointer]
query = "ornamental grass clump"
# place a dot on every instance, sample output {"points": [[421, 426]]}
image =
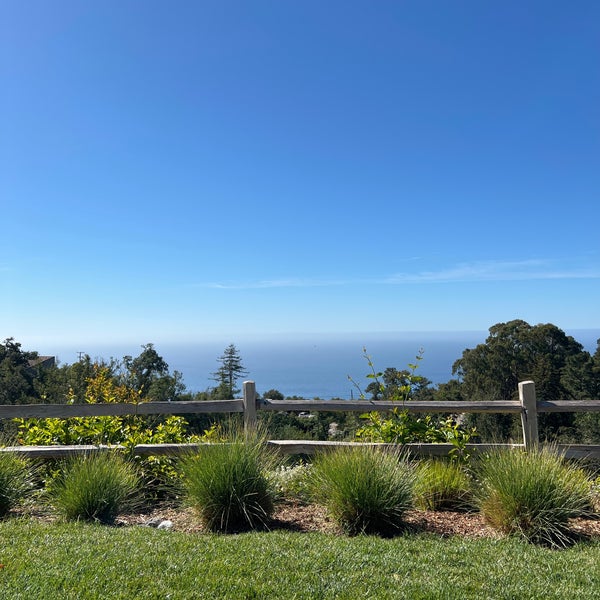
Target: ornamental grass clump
{"points": [[365, 489], [228, 483], [442, 485], [16, 481], [533, 494], [94, 487]]}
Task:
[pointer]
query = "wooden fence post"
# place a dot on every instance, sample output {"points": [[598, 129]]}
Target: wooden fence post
{"points": [[529, 417], [249, 405]]}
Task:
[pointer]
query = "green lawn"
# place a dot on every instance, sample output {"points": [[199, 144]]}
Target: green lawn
{"points": [[82, 561]]}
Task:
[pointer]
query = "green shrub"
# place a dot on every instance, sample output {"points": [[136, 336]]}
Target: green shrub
{"points": [[366, 490], [442, 485], [94, 487], [533, 494], [16, 480], [157, 472], [398, 426], [128, 431], [227, 483]]}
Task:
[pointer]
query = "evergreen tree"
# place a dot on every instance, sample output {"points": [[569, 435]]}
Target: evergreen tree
{"points": [[228, 373]]}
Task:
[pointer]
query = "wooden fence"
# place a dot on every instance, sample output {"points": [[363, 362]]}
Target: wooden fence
{"points": [[527, 406]]}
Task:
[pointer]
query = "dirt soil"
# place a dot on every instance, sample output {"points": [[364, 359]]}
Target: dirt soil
{"points": [[306, 518], [300, 517]]}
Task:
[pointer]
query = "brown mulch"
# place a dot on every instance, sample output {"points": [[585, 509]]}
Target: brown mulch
{"points": [[306, 518]]}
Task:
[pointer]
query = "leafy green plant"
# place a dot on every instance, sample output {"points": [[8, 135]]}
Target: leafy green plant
{"points": [[16, 480], [398, 426], [94, 487], [533, 494], [127, 431], [228, 483], [398, 393], [365, 489], [442, 485]]}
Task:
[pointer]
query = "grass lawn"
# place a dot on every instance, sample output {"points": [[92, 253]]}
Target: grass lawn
{"points": [[82, 561]]}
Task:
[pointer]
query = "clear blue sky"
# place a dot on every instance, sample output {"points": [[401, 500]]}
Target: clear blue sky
{"points": [[178, 170]]}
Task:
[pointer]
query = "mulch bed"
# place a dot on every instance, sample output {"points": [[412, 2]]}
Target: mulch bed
{"points": [[306, 518], [301, 517]]}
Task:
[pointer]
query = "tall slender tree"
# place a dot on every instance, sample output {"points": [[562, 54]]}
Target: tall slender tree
{"points": [[228, 373]]}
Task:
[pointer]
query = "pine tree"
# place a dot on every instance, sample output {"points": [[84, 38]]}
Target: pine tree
{"points": [[228, 373]]}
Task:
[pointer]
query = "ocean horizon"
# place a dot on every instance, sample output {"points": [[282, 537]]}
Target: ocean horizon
{"points": [[307, 365]]}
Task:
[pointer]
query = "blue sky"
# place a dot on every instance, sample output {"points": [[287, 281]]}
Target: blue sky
{"points": [[187, 170]]}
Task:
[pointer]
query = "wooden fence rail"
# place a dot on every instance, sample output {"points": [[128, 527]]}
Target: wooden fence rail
{"points": [[527, 406]]}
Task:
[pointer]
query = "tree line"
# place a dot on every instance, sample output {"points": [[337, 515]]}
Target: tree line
{"points": [[513, 351]]}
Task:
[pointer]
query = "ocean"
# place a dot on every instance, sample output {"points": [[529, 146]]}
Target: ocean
{"points": [[311, 366]]}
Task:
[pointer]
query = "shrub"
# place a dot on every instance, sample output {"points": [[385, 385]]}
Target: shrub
{"points": [[442, 485], [94, 487], [16, 477], [157, 472], [227, 483], [533, 494], [366, 490], [398, 426]]}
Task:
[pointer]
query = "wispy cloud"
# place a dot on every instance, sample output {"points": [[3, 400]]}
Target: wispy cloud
{"points": [[276, 283], [479, 271], [498, 271]]}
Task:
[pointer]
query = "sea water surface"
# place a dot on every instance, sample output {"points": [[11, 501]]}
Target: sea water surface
{"points": [[306, 365]]}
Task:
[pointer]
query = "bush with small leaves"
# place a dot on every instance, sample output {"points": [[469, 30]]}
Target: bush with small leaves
{"points": [[365, 489], [128, 431]]}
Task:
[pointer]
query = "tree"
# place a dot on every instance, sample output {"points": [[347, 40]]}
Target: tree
{"points": [[65, 382], [149, 375], [228, 373], [516, 351], [273, 395], [451, 391], [513, 352], [398, 385], [145, 369], [582, 375], [16, 375]]}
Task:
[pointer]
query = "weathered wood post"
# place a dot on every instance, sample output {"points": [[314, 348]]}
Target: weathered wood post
{"points": [[249, 405], [529, 417]]}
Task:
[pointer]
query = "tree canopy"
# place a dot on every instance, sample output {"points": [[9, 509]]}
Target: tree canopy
{"points": [[16, 375], [517, 351]]}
